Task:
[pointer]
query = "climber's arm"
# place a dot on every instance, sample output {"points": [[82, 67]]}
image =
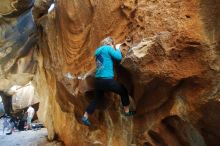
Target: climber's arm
{"points": [[115, 53]]}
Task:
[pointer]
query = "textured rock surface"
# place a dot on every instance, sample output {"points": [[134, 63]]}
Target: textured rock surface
{"points": [[17, 39], [171, 68], [23, 96], [17, 61]]}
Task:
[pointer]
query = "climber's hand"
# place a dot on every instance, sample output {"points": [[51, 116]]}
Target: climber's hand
{"points": [[117, 46]]}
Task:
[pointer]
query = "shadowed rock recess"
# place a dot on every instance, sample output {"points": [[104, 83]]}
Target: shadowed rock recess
{"points": [[171, 68]]}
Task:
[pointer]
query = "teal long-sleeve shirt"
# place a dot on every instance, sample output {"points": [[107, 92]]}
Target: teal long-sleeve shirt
{"points": [[104, 61]]}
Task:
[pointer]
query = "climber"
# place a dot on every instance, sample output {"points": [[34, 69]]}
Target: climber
{"points": [[104, 78]]}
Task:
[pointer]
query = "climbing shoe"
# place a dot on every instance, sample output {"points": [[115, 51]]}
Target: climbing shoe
{"points": [[86, 121], [130, 113]]}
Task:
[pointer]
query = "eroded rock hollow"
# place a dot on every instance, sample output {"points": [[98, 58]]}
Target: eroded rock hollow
{"points": [[171, 68]]}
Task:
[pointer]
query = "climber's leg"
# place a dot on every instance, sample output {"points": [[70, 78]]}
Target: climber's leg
{"points": [[92, 106], [118, 88]]}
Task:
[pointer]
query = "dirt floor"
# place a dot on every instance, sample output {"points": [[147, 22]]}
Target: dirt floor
{"points": [[26, 138]]}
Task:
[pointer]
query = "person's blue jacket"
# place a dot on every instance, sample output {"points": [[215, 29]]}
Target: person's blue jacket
{"points": [[104, 61]]}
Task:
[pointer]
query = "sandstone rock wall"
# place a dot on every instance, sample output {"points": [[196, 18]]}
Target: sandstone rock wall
{"points": [[18, 36], [170, 67]]}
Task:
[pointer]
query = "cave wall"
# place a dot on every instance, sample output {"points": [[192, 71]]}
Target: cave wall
{"points": [[170, 67], [18, 64]]}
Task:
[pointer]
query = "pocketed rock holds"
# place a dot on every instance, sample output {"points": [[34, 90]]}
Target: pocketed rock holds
{"points": [[170, 68]]}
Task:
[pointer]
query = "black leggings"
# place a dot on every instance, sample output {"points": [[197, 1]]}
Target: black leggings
{"points": [[103, 85]]}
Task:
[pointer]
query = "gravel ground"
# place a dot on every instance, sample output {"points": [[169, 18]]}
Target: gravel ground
{"points": [[26, 138]]}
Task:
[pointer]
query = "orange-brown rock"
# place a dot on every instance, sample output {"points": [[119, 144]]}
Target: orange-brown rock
{"points": [[171, 69]]}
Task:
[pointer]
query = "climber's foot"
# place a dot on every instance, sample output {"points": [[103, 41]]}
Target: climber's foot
{"points": [[86, 121], [130, 113]]}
